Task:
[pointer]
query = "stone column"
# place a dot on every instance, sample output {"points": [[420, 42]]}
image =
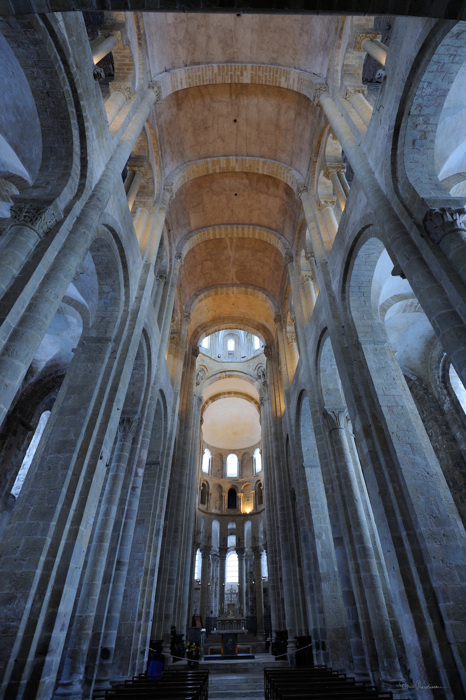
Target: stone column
{"points": [[222, 555], [120, 93], [429, 291], [332, 171], [385, 661], [134, 188], [72, 677], [18, 352], [101, 46], [158, 292], [205, 552], [309, 291], [29, 225], [270, 494], [240, 551], [326, 205], [212, 597], [369, 41], [257, 551], [446, 227], [356, 95], [168, 310], [140, 221]]}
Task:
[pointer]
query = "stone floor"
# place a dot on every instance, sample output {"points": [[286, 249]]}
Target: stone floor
{"points": [[238, 680]]}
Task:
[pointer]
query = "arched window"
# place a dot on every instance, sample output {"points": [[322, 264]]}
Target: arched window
{"points": [[230, 345], [232, 568], [198, 566], [232, 465], [206, 342], [24, 468], [264, 567], [232, 498], [256, 342], [457, 386], [257, 461], [206, 460]]}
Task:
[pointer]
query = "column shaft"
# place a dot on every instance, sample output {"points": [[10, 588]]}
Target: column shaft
{"points": [[376, 49]]}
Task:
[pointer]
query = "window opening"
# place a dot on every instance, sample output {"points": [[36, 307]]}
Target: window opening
{"points": [[232, 466], [206, 460], [206, 342], [257, 342], [264, 566], [28, 457], [257, 461], [458, 387], [198, 566], [232, 498], [232, 568]]}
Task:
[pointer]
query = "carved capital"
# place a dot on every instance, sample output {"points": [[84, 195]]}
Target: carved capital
{"points": [[336, 419], [301, 190], [121, 87], [326, 202], [168, 192], [37, 217], [288, 258], [331, 168], [277, 319], [291, 338], [127, 426], [157, 90], [268, 350], [307, 278], [178, 259], [439, 223], [361, 37], [318, 89], [352, 90], [161, 278], [195, 352]]}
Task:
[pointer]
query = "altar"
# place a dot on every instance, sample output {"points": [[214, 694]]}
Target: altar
{"points": [[229, 627]]}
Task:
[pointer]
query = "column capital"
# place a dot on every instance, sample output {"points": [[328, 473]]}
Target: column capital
{"points": [[336, 419], [128, 425], [277, 319], [361, 36], [257, 551], [326, 202], [122, 87], [179, 259], [291, 339], [439, 223], [205, 549], [36, 217], [354, 89], [301, 190], [161, 278], [288, 258], [195, 351], [318, 89], [331, 168], [168, 193], [156, 87], [268, 350]]}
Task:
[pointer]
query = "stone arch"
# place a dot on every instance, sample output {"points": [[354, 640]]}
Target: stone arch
{"points": [[215, 166], [422, 118], [194, 238], [61, 170], [204, 494], [111, 283]]}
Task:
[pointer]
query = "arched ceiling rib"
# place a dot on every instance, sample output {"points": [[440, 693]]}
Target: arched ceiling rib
{"points": [[194, 238]]}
